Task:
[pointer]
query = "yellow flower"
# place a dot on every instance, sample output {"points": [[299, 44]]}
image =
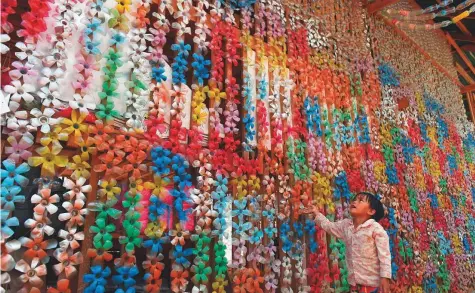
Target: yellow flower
{"points": [[54, 137], [123, 5], [109, 189], [49, 160], [80, 168], [75, 124], [159, 185], [217, 95], [199, 117], [155, 229]]}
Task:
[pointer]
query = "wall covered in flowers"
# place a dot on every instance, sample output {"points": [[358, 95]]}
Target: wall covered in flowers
{"points": [[167, 145]]}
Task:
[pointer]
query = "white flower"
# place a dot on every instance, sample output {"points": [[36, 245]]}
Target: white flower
{"points": [[161, 21], [139, 35], [3, 39], [44, 119], [135, 101], [22, 70], [82, 103], [20, 127], [20, 91], [71, 238], [138, 51], [135, 120], [49, 98], [28, 52], [76, 189], [181, 28], [51, 78], [57, 58]]}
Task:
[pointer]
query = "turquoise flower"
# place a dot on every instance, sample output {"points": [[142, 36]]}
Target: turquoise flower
{"points": [[12, 174]]}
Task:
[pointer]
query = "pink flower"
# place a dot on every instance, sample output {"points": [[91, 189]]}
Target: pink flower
{"points": [[45, 202], [71, 238], [75, 213], [81, 84], [20, 128], [19, 150], [76, 189], [22, 70], [67, 261], [86, 65]]}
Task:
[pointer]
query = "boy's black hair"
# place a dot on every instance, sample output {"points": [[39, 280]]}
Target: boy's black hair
{"points": [[374, 204]]}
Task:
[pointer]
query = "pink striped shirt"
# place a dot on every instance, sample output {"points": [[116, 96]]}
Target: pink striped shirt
{"points": [[368, 258]]}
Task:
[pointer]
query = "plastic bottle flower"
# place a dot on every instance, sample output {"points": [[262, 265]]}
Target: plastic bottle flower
{"points": [[109, 189], [76, 189], [62, 287], [50, 159], [75, 213], [75, 124], [7, 260], [45, 202], [31, 273], [54, 137], [106, 209], [9, 196], [125, 276], [80, 168], [107, 112], [39, 225], [102, 232], [71, 238], [97, 279], [67, 261], [178, 236], [37, 246], [12, 174], [19, 91]]}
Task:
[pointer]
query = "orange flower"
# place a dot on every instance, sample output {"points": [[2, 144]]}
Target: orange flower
{"points": [[135, 166], [102, 133], [62, 287], [141, 19], [254, 280], [99, 255], [109, 165], [179, 280], [239, 281], [154, 265], [139, 147], [36, 246]]}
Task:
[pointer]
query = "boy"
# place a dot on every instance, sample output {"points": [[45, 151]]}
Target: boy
{"points": [[367, 245]]}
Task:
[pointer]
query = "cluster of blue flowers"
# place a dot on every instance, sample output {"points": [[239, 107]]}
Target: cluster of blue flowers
{"points": [[180, 64]]}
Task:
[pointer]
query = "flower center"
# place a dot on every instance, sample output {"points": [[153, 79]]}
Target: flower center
{"points": [[52, 78], [57, 56], [70, 237], [36, 247], [39, 225], [76, 126], [50, 97], [43, 119], [48, 157], [74, 213], [66, 263], [20, 91], [29, 52], [9, 197], [31, 273], [23, 71], [44, 202], [11, 174]]}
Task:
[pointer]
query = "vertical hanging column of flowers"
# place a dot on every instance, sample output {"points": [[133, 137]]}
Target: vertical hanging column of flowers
{"points": [[181, 201], [105, 213], [138, 93], [222, 205], [12, 182], [205, 214], [255, 278], [240, 228], [158, 105], [157, 223]]}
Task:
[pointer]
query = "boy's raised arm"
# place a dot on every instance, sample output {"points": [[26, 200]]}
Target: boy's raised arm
{"points": [[337, 229]]}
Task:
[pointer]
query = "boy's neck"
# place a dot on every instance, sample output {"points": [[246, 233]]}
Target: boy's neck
{"points": [[359, 220]]}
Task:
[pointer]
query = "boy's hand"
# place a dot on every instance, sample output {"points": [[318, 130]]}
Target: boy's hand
{"points": [[384, 285]]}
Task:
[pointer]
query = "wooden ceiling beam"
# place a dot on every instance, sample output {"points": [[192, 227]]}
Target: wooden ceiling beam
{"points": [[468, 88], [380, 5], [460, 52], [462, 37], [464, 73]]}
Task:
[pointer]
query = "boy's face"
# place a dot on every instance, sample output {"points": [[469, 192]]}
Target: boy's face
{"points": [[360, 207]]}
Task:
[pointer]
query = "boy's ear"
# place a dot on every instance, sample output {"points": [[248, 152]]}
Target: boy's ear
{"points": [[371, 212]]}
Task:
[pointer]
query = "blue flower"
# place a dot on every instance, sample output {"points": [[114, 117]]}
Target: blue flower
{"points": [[221, 183], [200, 66], [92, 47], [156, 208], [240, 211], [284, 228], [158, 74], [256, 236], [93, 27], [310, 227], [12, 174], [180, 255], [155, 244], [10, 197], [298, 229], [161, 159], [241, 229], [313, 245], [97, 279], [270, 231], [125, 276], [6, 223], [269, 214], [286, 244], [117, 39]]}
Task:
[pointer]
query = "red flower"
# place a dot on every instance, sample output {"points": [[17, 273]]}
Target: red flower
{"points": [[33, 23]]}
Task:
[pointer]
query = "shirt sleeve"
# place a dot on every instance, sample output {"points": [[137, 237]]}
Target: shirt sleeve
{"points": [[337, 229], [384, 255]]}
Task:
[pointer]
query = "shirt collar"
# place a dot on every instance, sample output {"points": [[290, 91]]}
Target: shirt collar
{"points": [[364, 225]]}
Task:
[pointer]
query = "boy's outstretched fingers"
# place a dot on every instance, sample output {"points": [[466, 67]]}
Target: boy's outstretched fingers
{"points": [[307, 210]]}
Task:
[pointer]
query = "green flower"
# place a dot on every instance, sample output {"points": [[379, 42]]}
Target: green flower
{"points": [[131, 218], [131, 200], [102, 230], [113, 60], [118, 21], [202, 238], [220, 261], [201, 273], [105, 209], [136, 84], [201, 254], [107, 112], [132, 239], [108, 89]]}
